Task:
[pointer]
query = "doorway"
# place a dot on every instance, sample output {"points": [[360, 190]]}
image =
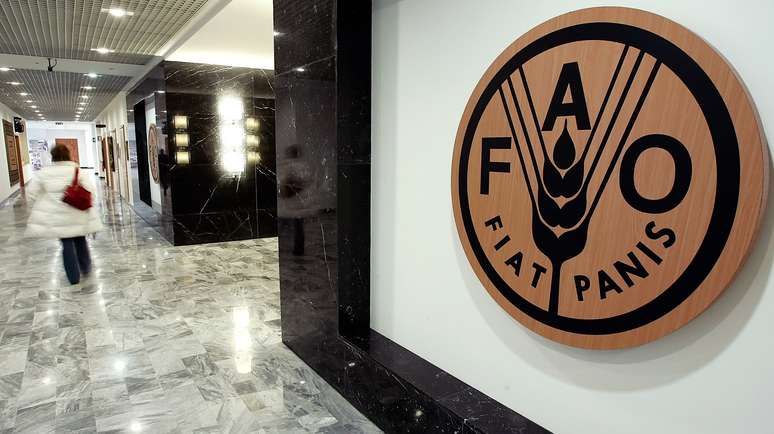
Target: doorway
{"points": [[143, 170], [11, 155], [72, 145], [122, 163]]}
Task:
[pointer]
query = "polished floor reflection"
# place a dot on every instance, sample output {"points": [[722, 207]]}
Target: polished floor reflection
{"points": [[158, 339]]}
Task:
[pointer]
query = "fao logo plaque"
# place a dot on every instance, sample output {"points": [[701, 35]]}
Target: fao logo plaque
{"points": [[609, 177]]}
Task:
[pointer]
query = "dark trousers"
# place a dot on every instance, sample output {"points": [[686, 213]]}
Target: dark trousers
{"points": [[75, 252]]}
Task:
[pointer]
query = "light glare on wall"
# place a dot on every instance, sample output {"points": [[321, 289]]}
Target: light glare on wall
{"points": [[180, 122], [252, 140], [234, 161], [252, 124], [231, 136], [181, 140], [182, 157], [231, 108]]}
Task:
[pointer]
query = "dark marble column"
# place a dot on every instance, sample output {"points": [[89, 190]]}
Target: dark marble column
{"points": [[217, 159], [323, 82], [149, 94]]}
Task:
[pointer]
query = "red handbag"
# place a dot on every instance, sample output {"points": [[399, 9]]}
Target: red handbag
{"points": [[76, 196]]}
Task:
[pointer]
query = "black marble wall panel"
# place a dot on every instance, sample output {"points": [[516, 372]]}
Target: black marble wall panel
{"points": [[149, 93], [322, 58], [205, 201]]}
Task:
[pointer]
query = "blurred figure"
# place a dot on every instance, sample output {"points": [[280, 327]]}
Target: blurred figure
{"points": [[294, 187], [164, 164], [53, 218]]}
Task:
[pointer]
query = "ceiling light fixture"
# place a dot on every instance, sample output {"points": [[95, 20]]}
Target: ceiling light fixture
{"points": [[300, 69], [14, 83], [33, 106], [103, 50], [91, 75], [84, 97], [29, 101], [23, 94], [81, 103], [88, 87], [118, 12], [5, 69]]}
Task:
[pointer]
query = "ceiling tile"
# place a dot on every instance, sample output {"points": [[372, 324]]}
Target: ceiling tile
{"points": [[58, 94], [70, 29]]}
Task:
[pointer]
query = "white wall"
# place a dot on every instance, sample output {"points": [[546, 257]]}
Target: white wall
{"points": [[114, 116], [223, 40], [714, 375], [83, 131]]}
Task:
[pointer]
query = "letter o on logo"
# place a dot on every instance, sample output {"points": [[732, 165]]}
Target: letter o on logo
{"points": [[682, 181]]}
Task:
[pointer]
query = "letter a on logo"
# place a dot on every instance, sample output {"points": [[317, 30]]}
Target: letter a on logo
{"points": [[568, 78]]}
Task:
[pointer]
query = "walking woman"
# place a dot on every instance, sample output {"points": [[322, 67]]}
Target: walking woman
{"points": [[62, 209]]}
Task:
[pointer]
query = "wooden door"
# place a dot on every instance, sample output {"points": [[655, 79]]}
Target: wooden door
{"points": [[10, 153], [106, 163], [114, 177], [124, 163], [72, 145]]}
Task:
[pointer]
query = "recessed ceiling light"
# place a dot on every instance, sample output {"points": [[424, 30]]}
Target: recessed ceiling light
{"points": [[23, 94], [88, 87], [160, 91], [29, 101], [84, 97], [33, 106], [5, 69], [14, 83], [118, 12], [91, 75], [300, 69], [81, 103], [103, 50]]}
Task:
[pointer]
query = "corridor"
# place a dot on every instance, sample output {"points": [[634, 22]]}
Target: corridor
{"points": [[157, 339]]}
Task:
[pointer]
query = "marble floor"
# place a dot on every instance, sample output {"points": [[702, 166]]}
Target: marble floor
{"points": [[158, 339]]}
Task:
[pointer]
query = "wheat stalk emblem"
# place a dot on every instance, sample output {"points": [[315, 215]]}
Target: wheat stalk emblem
{"points": [[562, 205]]}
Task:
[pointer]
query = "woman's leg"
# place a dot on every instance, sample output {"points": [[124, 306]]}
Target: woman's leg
{"points": [[70, 260], [84, 258]]}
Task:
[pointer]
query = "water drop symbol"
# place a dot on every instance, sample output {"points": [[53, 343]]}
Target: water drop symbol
{"points": [[564, 150]]}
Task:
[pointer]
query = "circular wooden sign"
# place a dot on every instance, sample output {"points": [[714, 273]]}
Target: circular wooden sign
{"points": [[153, 152], [609, 177]]}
